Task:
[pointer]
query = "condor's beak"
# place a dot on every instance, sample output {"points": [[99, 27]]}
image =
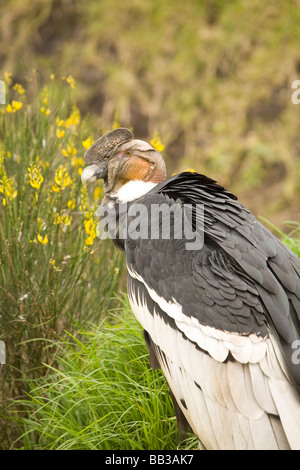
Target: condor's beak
{"points": [[93, 172]]}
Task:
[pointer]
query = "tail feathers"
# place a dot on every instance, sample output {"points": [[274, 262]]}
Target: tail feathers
{"points": [[287, 402]]}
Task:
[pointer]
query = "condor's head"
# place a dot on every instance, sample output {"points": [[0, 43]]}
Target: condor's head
{"points": [[120, 160]]}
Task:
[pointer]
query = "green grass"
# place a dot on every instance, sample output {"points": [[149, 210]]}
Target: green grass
{"points": [[102, 394], [291, 239]]}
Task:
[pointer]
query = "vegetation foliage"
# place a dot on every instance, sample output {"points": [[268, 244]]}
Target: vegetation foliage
{"points": [[53, 269], [102, 395]]}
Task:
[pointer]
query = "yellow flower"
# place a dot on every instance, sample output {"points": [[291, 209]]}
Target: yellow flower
{"points": [[36, 178], [45, 110], [70, 81], [7, 189], [69, 151], [52, 262], [73, 120], [156, 143], [87, 143], [16, 105], [59, 122], [191, 170], [90, 229], [42, 240], [70, 123], [97, 193], [52, 76], [72, 204], [19, 89], [7, 78], [89, 240], [13, 107], [61, 180], [62, 219], [77, 162], [84, 203], [60, 133]]}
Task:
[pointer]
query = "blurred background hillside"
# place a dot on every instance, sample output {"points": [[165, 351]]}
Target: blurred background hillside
{"points": [[212, 77]]}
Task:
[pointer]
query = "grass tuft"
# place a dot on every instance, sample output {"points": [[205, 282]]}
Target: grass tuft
{"points": [[102, 395]]}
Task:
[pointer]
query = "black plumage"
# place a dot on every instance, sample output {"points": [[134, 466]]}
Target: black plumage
{"points": [[243, 280], [241, 263], [221, 318]]}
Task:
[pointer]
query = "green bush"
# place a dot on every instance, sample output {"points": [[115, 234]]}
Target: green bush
{"points": [[53, 268]]}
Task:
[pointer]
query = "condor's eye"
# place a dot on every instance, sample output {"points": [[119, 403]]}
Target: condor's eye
{"points": [[105, 158], [128, 153]]}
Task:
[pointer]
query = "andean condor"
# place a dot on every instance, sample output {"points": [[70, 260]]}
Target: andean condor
{"points": [[221, 319]]}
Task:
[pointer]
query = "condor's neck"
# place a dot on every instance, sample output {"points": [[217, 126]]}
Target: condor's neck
{"points": [[114, 208], [129, 192]]}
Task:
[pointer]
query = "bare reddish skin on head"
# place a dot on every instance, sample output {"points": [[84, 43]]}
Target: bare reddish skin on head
{"points": [[137, 168]]}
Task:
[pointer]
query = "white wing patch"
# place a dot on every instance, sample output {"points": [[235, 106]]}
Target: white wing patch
{"points": [[247, 402], [217, 343]]}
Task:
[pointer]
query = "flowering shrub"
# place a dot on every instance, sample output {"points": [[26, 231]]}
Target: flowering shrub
{"points": [[53, 268]]}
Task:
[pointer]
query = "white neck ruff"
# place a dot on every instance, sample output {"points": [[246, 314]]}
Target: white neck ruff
{"points": [[133, 190]]}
